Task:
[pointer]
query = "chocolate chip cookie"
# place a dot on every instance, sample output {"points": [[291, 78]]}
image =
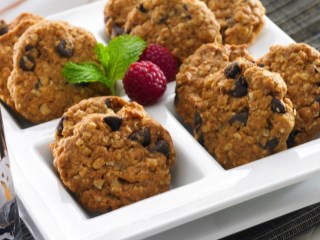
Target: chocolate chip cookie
{"points": [[114, 159], [77, 112], [9, 34], [244, 114], [240, 20], [179, 25], [115, 16], [299, 66], [207, 59], [36, 84]]}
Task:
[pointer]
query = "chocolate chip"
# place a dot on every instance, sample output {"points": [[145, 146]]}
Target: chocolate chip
{"points": [[278, 106], [162, 147], [28, 47], [163, 19], [317, 99], [108, 103], [142, 136], [117, 29], [232, 70], [261, 65], [318, 84], [291, 138], [201, 139], [185, 6], [114, 105], [123, 181], [176, 99], [272, 144], [65, 49], [142, 9], [188, 17], [31, 51], [241, 117], [241, 87], [3, 27], [197, 121], [27, 63], [60, 127], [37, 85], [113, 122]]}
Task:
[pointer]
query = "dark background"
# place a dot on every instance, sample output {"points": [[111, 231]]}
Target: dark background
{"points": [[300, 19]]}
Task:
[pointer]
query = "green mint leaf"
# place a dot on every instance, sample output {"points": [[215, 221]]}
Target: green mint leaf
{"points": [[123, 51], [83, 72], [114, 59], [86, 72], [103, 55]]}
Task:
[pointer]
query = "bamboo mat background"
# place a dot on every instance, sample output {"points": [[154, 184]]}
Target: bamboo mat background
{"points": [[301, 20], [298, 18]]}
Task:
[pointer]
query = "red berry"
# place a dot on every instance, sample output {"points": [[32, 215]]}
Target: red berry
{"points": [[163, 58], [144, 82]]}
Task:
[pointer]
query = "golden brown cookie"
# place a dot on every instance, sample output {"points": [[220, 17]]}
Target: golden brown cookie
{"points": [[244, 114], [208, 59], [299, 66], [9, 34], [77, 112], [179, 25], [36, 84], [114, 159], [115, 16], [240, 20]]}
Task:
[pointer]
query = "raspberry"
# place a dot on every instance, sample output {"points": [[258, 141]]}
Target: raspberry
{"points": [[163, 58], [144, 82]]}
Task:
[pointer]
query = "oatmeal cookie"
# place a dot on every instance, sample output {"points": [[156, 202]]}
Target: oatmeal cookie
{"points": [[77, 112], [244, 114], [240, 20], [36, 84], [207, 59], [115, 159], [9, 34], [299, 66], [115, 16], [179, 25]]}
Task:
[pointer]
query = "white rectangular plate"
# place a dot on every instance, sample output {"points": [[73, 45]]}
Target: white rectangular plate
{"points": [[200, 186]]}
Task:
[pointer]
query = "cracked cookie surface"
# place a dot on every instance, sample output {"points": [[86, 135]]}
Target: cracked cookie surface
{"points": [[9, 35], [244, 114], [36, 84], [116, 158], [240, 20], [179, 25], [207, 59], [299, 66]]}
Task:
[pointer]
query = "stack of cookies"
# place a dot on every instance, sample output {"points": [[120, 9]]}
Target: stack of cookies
{"points": [[184, 25], [239, 110], [32, 52], [111, 153], [299, 66]]}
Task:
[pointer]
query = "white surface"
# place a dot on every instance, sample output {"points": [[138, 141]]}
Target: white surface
{"points": [[9, 9], [199, 185], [250, 213]]}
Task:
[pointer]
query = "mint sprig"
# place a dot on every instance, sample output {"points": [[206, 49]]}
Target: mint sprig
{"points": [[114, 61]]}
